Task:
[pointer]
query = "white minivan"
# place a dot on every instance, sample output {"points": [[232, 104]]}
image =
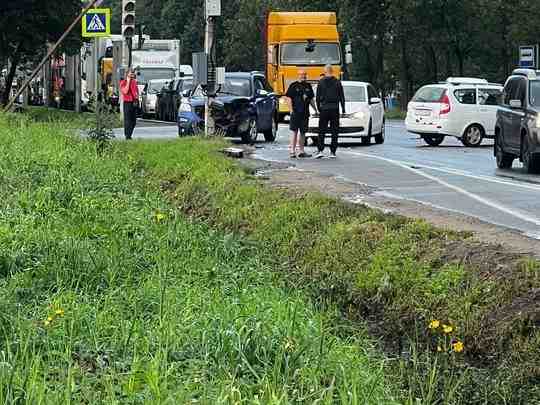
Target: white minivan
{"points": [[465, 108]]}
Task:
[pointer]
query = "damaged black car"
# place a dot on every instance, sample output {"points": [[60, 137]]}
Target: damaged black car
{"points": [[244, 107]]}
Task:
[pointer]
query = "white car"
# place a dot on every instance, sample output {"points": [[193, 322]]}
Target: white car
{"points": [[364, 118], [465, 108], [149, 95]]}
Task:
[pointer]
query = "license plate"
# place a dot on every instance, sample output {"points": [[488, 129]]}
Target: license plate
{"points": [[423, 113]]}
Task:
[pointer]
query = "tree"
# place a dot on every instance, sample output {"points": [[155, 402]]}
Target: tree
{"points": [[26, 28]]}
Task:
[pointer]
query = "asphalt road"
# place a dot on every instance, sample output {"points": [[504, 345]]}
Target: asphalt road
{"points": [[451, 177]]}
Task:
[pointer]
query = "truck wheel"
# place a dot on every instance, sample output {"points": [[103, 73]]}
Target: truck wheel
{"points": [[433, 140], [473, 136], [504, 160], [270, 134], [250, 136]]}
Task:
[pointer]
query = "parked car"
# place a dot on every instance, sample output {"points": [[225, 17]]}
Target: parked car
{"points": [[169, 99], [244, 107], [461, 107], [364, 118], [517, 132], [149, 96]]}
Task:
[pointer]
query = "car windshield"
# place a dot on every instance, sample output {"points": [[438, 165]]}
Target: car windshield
{"points": [[429, 95], [314, 54], [535, 93], [355, 94], [154, 87], [187, 85], [236, 87], [145, 75]]}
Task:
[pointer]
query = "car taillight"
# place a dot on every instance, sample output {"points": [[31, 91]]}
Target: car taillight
{"points": [[445, 104]]}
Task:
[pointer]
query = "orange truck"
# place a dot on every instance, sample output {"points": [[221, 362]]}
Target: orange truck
{"points": [[298, 40]]}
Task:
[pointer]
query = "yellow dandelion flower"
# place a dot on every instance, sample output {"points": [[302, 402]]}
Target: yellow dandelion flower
{"points": [[439, 349], [160, 217], [59, 312], [50, 319], [47, 322], [447, 328], [458, 347], [434, 324]]}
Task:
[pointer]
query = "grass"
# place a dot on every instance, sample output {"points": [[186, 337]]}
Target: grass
{"points": [[68, 118], [395, 114], [389, 273], [182, 277], [109, 294]]}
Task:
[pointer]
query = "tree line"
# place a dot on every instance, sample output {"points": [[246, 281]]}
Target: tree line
{"points": [[397, 44]]}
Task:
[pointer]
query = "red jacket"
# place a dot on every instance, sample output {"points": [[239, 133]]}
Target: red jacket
{"points": [[129, 93]]}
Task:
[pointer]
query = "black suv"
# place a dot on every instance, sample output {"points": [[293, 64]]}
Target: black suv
{"points": [[517, 131]]}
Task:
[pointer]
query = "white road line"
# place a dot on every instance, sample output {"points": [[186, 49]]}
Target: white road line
{"points": [[489, 203], [457, 172]]}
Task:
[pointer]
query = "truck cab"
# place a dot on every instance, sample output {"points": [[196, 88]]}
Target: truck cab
{"points": [[300, 40]]}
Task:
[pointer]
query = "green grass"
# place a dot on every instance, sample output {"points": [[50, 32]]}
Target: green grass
{"points": [[182, 278], [391, 274], [152, 306], [395, 114], [68, 118]]}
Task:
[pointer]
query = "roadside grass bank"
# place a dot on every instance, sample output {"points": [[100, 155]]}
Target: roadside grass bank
{"points": [[70, 119], [460, 319], [109, 294]]}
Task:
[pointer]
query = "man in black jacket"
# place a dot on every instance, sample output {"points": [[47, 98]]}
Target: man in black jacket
{"points": [[329, 97]]}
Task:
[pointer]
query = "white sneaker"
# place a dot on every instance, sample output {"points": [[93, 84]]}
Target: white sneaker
{"points": [[319, 155], [332, 156]]}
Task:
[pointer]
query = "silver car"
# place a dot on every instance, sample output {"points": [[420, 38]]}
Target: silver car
{"points": [[149, 96]]}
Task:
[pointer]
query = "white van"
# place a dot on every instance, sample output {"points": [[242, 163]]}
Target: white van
{"points": [[465, 108]]}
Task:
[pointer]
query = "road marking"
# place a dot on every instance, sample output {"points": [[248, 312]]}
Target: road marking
{"points": [[489, 203], [457, 172]]}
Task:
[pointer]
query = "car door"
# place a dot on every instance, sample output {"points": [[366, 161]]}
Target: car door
{"points": [[488, 100], [505, 113], [264, 104], [376, 110], [465, 111], [518, 114]]}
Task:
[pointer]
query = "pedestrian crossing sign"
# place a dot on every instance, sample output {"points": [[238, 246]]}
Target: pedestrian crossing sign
{"points": [[97, 23]]}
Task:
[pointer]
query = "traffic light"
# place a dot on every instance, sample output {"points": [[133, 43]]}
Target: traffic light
{"points": [[128, 18]]}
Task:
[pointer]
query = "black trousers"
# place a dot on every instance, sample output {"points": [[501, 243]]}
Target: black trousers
{"points": [[130, 118], [328, 117]]}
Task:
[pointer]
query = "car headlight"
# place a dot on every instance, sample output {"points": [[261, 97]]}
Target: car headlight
{"points": [[360, 115], [185, 107]]}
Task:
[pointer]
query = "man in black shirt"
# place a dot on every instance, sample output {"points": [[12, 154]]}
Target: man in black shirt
{"points": [[300, 96], [329, 97]]}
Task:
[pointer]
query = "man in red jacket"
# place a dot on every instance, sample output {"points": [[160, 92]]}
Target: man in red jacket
{"points": [[130, 97]]}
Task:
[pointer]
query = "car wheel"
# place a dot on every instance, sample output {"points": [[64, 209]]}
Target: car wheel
{"points": [[379, 139], [531, 162], [473, 135], [270, 135], [433, 140], [250, 135], [366, 140], [504, 160]]}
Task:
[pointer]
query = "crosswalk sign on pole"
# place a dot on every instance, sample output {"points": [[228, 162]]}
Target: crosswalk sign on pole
{"points": [[97, 23]]}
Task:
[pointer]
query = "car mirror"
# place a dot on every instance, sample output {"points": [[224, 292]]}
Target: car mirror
{"points": [[374, 100], [186, 93], [515, 104], [262, 93]]}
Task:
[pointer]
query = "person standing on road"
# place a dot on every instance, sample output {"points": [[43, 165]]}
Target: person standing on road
{"points": [[130, 97], [299, 97], [329, 97]]}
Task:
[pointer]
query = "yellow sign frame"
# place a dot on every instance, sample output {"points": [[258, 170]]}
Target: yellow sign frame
{"points": [[107, 33]]}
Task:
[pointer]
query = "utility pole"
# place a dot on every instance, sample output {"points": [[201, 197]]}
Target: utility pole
{"points": [[212, 10], [77, 82]]}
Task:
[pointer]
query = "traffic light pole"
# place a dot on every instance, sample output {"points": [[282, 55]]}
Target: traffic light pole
{"points": [[209, 124]]}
